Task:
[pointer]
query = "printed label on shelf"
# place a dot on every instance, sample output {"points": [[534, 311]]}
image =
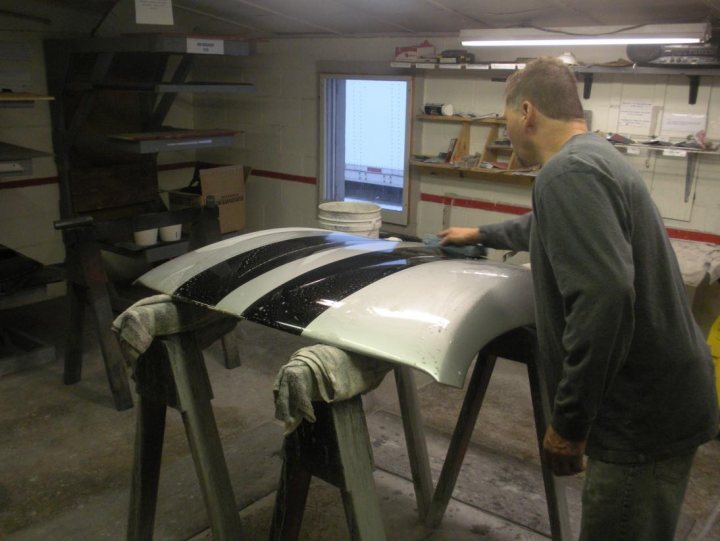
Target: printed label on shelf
{"points": [[674, 152], [205, 46]]}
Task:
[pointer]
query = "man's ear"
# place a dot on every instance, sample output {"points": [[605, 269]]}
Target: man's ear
{"points": [[529, 114]]}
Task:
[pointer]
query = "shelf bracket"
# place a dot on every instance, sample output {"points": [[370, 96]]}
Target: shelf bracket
{"points": [[694, 85], [167, 99], [690, 174], [587, 85]]}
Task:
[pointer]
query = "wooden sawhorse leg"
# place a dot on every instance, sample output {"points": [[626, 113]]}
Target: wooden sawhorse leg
{"points": [[461, 436], [172, 373], [414, 438], [521, 348], [87, 285], [336, 448]]}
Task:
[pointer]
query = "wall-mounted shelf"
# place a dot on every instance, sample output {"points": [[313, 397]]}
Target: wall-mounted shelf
{"points": [[21, 99], [502, 70], [523, 178], [16, 160], [190, 87], [671, 151], [169, 140], [166, 43], [495, 119], [493, 153]]}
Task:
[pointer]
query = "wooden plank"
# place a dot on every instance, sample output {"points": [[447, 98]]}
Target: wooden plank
{"points": [[414, 438], [489, 175], [10, 97], [290, 499], [362, 507], [457, 118], [72, 372], [194, 394], [461, 436], [555, 493], [149, 435], [117, 376]]}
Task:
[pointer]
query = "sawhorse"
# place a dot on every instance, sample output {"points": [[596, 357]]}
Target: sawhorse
{"points": [[336, 448], [517, 345], [172, 373]]}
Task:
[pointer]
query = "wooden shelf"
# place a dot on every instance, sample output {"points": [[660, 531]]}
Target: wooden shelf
{"points": [[193, 87], [524, 178], [21, 99], [9, 97], [500, 148], [163, 141], [165, 43], [16, 160], [461, 119], [662, 148]]}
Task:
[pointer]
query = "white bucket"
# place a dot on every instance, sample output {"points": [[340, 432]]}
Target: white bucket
{"points": [[355, 218], [146, 237], [171, 233]]}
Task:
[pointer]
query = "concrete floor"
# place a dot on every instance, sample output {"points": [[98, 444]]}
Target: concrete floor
{"points": [[65, 453]]}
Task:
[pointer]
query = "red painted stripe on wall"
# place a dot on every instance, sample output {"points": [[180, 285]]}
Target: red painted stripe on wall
{"points": [[28, 182], [693, 235], [283, 176], [682, 234], [174, 166], [474, 204]]}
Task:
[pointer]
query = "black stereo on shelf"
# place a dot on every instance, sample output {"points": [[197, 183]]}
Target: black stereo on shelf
{"points": [[699, 55]]}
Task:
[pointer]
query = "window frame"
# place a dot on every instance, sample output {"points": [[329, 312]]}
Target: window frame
{"points": [[326, 190]]}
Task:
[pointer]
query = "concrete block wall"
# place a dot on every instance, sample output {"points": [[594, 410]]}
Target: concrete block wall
{"points": [[278, 137], [280, 130], [28, 204]]}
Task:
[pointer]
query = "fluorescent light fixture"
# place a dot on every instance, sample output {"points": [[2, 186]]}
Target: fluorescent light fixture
{"points": [[665, 34]]}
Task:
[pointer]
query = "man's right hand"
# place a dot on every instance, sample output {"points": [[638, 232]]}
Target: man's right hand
{"points": [[459, 235]]}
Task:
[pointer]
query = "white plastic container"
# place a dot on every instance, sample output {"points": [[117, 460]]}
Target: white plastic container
{"points": [[146, 237], [349, 217], [171, 233]]}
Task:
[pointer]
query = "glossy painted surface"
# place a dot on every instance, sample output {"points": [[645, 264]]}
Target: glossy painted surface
{"points": [[397, 301]]}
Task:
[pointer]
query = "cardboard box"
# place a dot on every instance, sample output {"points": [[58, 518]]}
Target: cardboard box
{"points": [[227, 185]]}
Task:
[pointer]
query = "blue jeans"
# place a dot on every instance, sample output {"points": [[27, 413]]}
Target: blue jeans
{"points": [[634, 502]]}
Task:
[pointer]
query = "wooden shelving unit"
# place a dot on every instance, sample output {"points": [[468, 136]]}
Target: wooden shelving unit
{"points": [[112, 98], [492, 153]]}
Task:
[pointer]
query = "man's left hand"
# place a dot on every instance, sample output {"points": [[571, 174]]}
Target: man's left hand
{"points": [[564, 457]]}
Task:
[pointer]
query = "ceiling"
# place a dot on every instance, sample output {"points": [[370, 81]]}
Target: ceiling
{"points": [[346, 18]]}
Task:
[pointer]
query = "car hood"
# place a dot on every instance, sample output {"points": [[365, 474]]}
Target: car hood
{"points": [[401, 302]]}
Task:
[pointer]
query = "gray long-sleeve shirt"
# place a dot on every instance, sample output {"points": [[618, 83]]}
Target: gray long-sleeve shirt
{"points": [[630, 368]]}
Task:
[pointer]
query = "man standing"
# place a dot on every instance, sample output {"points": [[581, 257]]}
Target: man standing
{"points": [[632, 375]]}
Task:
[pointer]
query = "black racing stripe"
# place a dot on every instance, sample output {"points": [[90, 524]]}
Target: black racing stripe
{"points": [[212, 285], [292, 306]]}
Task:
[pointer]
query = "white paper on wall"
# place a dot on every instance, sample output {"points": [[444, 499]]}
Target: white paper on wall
{"points": [[154, 12], [683, 124], [637, 117]]}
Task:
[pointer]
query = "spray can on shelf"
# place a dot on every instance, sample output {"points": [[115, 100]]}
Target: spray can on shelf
{"points": [[445, 109]]}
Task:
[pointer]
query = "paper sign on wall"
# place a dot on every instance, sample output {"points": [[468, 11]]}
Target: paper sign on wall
{"points": [[153, 12], [636, 117], [683, 123]]}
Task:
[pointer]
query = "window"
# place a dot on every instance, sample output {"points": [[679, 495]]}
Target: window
{"points": [[365, 137]]}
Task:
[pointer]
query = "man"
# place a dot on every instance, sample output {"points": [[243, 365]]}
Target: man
{"points": [[632, 375]]}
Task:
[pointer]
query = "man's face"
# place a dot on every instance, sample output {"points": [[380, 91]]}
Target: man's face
{"points": [[518, 135]]}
